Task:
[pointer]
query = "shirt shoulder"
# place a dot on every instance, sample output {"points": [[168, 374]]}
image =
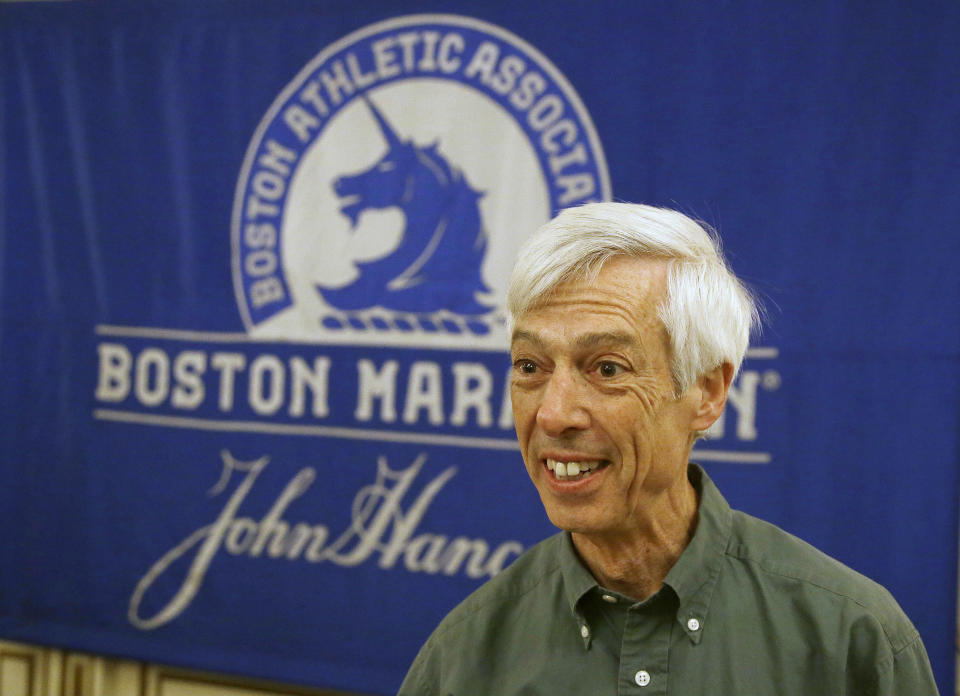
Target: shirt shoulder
{"points": [[775, 553], [486, 627], [528, 573]]}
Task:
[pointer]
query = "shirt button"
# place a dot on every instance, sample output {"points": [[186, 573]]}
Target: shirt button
{"points": [[584, 631], [609, 598], [642, 677], [693, 624]]}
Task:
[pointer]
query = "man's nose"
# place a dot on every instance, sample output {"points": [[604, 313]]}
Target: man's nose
{"points": [[562, 407]]}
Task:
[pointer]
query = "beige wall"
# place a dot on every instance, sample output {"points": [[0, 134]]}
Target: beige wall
{"points": [[27, 670]]}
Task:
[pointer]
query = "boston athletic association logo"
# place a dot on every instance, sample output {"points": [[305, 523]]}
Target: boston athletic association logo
{"points": [[385, 193]]}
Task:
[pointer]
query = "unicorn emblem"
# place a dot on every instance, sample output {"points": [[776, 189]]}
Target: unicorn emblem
{"points": [[436, 264]]}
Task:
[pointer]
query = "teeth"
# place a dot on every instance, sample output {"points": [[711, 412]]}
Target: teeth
{"points": [[568, 470]]}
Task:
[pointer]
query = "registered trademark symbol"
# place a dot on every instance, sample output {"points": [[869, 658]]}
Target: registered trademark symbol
{"points": [[771, 380]]}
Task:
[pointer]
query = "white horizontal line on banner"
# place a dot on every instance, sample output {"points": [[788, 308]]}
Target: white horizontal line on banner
{"points": [[732, 457], [759, 353], [185, 335], [762, 353], [361, 434], [309, 430]]}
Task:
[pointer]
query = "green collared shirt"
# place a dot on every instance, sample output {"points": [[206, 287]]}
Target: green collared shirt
{"points": [[747, 610]]}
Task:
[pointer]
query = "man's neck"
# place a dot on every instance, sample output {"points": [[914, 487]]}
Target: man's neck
{"points": [[636, 562]]}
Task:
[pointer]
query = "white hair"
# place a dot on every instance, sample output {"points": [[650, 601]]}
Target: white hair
{"points": [[707, 312]]}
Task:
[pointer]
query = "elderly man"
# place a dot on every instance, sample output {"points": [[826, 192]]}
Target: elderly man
{"points": [[628, 328]]}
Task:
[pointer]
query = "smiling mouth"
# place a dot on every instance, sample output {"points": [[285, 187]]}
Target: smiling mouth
{"points": [[574, 471]]}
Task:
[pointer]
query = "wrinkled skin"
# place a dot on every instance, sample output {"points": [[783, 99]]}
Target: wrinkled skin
{"points": [[591, 381]]}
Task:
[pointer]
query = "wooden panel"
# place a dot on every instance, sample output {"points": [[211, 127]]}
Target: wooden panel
{"points": [[165, 681], [27, 670], [82, 675], [16, 675], [123, 677]]}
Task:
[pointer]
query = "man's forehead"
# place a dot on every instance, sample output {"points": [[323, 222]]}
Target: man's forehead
{"points": [[586, 339], [587, 332], [641, 281]]}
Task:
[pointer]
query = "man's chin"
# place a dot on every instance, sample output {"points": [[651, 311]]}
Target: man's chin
{"points": [[573, 522]]}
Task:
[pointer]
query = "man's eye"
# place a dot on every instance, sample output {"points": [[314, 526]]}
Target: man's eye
{"points": [[609, 369], [527, 367]]}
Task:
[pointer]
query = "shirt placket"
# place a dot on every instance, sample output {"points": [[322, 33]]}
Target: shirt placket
{"points": [[645, 649]]}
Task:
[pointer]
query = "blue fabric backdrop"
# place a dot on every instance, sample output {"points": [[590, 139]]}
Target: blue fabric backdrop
{"points": [[230, 443]]}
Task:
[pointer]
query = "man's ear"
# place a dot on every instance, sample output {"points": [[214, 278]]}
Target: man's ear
{"points": [[713, 387]]}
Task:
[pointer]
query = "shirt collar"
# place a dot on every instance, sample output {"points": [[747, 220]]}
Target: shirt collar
{"points": [[694, 575], [577, 582]]}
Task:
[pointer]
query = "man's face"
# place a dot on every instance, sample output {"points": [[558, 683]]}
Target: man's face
{"points": [[591, 386]]}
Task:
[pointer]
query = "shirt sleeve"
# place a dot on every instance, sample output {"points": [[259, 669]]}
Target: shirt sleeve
{"points": [[906, 673], [422, 677], [887, 658]]}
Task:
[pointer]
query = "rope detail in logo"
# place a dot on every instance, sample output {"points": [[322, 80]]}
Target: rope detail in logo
{"points": [[439, 323]]}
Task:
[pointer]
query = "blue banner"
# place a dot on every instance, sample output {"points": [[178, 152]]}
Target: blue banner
{"points": [[254, 261]]}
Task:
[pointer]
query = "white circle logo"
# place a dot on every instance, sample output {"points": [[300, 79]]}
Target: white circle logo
{"points": [[385, 193]]}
